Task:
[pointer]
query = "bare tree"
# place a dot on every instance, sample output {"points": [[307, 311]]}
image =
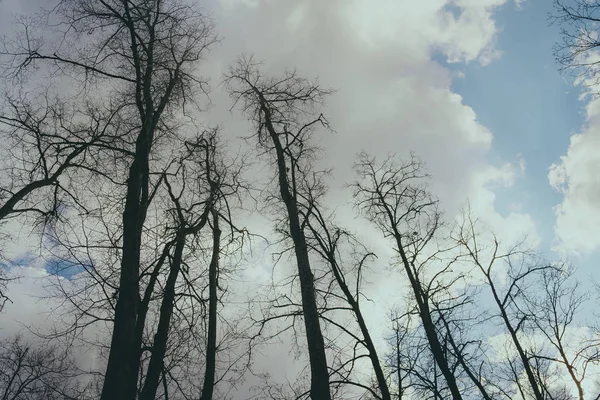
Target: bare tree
{"points": [[394, 197], [335, 246], [553, 304], [283, 112], [199, 190], [578, 20], [404, 355], [457, 318], [211, 343], [170, 326], [31, 371], [189, 222], [522, 267], [411, 363]]}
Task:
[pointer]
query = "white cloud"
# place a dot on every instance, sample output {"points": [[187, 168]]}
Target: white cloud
{"points": [[576, 177], [26, 307], [471, 35], [32, 309], [519, 3], [391, 96], [522, 164]]}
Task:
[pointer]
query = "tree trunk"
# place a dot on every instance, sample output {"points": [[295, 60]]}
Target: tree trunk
{"points": [[570, 368], [121, 373], [368, 342], [211, 346], [159, 346], [430, 331], [145, 302], [513, 334], [319, 389], [463, 362], [398, 362]]}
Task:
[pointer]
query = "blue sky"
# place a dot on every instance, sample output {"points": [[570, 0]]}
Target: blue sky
{"points": [[531, 108]]}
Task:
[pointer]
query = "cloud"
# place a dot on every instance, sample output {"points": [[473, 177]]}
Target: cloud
{"points": [[27, 292], [391, 96], [577, 227], [575, 176], [32, 309]]}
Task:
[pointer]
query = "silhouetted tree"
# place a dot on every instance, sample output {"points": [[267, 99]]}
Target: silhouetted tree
{"points": [[393, 196], [553, 304], [523, 267], [575, 51], [335, 246], [283, 111]]}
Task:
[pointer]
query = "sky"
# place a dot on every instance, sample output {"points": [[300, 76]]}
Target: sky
{"points": [[477, 75], [531, 108], [470, 85]]}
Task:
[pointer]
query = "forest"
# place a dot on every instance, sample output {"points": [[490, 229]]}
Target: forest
{"points": [[190, 262]]}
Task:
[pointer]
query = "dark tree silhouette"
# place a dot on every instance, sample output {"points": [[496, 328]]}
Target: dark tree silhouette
{"points": [[394, 198], [332, 243], [284, 113], [553, 305], [578, 20]]}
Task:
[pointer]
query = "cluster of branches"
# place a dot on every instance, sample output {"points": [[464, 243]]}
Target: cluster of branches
{"points": [[31, 370], [484, 320], [577, 49], [124, 190]]}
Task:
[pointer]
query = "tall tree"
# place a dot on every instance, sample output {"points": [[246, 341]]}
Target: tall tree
{"points": [[394, 197], [190, 219], [523, 267], [208, 386], [553, 305], [284, 112], [336, 246]]}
